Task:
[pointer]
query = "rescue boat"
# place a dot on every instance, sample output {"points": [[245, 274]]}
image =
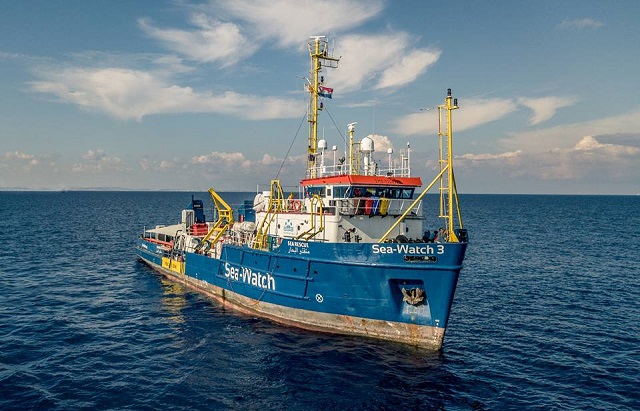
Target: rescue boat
{"points": [[347, 252]]}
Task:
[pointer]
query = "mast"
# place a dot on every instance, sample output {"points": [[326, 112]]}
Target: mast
{"points": [[448, 191], [353, 152], [318, 51]]}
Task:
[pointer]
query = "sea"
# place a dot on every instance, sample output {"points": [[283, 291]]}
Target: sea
{"points": [[546, 316]]}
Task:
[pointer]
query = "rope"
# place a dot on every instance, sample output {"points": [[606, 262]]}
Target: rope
{"points": [[264, 290], [290, 146], [335, 125]]}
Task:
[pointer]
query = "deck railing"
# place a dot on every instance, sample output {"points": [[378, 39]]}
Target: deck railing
{"points": [[372, 206], [346, 169]]}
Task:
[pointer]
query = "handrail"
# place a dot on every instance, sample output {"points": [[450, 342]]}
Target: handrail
{"points": [[277, 203], [310, 233]]}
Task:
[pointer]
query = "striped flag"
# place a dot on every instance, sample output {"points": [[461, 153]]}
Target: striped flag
{"points": [[325, 91]]}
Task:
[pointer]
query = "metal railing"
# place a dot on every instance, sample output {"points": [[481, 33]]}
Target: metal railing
{"points": [[346, 169], [377, 206]]}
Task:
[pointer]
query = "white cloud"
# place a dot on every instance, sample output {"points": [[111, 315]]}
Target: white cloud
{"points": [[587, 159], [568, 152], [381, 143], [172, 64], [578, 24], [215, 166], [219, 39], [5, 55], [408, 68], [146, 164], [289, 21], [545, 107], [393, 63], [132, 94], [476, 112], [97, 162], [134, 86], [94, 155], [591, 145], [167, 165], [567, 135], [269, 160], [223, 160], [25, 161], [591, 159], [509, 156], [16, 155], [210, 41]]}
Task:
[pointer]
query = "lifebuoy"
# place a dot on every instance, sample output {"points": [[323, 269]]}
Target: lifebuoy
{"points": [[296, 205]]}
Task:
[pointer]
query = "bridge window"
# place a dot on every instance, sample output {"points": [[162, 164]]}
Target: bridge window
{"points": [[382, 192]]}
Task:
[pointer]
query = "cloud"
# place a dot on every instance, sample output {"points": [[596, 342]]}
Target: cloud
{"points": [[97, 162], [288, 21], [172, 64], [408, 68], [251, 24], [509, 156], [588, 153], [94, 155], [487, 163], [132, 94], [269, 160], [621, 138], [578, 24], [567, 135], [591, 152], [216, 166], [240, 27], [222, 162], [590, 158], [545, 107], [481, 111], [381, 143], [130, 87], [587, 159], [16, 155], [393, 64], [158, 165], [591, 145], [210, 41], [10, 56], [24, 161], [476, 112]]}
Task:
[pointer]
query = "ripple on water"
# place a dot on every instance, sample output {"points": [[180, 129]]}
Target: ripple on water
{"points": [[545, 316]]}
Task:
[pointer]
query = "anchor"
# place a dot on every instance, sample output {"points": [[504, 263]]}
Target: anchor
{"points": [[414, 296]]}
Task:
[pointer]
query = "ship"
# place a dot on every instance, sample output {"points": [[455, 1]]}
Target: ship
{"points": [[346, 252]]}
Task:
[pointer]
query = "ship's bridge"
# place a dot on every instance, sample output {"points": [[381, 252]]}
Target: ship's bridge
{"points": [[368, 195]]}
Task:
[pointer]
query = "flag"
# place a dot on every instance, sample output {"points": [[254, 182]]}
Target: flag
{"points": [[325, 91]]}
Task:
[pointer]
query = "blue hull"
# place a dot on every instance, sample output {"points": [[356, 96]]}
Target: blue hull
{"points": [[344, 288]]}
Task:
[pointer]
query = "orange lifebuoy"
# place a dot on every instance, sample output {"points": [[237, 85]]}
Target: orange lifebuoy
{"points": [[296, 205]]}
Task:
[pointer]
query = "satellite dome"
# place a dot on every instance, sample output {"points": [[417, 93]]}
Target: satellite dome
{"points": [[366, 145]]}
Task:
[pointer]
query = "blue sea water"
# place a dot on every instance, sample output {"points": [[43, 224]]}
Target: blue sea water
{"points": [[546, 316]]}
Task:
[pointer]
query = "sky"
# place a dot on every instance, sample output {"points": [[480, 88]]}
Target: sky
{"points": [[187, 95]]}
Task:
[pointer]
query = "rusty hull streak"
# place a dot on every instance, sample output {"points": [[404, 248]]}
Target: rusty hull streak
{"points": [[421, 336]]}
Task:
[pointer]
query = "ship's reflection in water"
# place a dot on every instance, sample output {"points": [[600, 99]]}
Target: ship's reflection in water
{"points": [[173, 300]]}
